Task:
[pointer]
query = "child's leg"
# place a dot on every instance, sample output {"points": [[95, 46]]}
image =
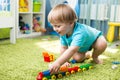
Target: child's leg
{"points": [[79, 57], [88, 54], [98, 47]]}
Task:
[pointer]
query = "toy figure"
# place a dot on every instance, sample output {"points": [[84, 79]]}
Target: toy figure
{"points": [[23, 5], [37, 26]]}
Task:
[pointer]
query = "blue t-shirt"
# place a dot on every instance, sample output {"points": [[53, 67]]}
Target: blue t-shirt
{"points": [[82, 36]]}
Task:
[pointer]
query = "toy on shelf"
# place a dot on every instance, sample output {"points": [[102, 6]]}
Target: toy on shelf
{"points": [[48, 57], [23, 6], [45, 75], [36, 5], [37, 25], [24, 27]]}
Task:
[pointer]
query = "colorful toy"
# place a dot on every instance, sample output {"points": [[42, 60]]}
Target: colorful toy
{"points": [[23, 6], [37, 25], [45, 75], [115, 62], [48, 57], [73, 61], [24, 27], [111, 30], [63, 68], [37, 5]]}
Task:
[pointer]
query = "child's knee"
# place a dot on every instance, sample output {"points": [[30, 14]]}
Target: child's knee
{"points": [[101, 47], [101, 44]]}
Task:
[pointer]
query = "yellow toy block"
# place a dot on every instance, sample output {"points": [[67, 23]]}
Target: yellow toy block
{"points": [[23, 6]]}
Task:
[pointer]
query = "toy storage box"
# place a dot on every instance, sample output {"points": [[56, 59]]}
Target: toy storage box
{"points": [[36, 7]]}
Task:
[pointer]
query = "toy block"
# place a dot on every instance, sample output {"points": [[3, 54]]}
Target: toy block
{"points": [[48, 57]]}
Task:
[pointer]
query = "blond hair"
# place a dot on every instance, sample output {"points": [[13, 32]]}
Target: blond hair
{"points": [[62, 13]]}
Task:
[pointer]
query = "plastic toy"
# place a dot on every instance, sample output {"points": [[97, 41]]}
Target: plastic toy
{"points": [[63, 68], [73, 61], [48, 57], [37, 5], [115, 62], [23, 5], [45, 75], [114, 66], [24, 27], [111, 30], [37, 25]]}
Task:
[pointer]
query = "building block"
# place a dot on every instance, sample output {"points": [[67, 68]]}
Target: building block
{"points": [[48, 57]]}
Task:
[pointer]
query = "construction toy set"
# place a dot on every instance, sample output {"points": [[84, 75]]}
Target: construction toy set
{"points": [[64, 71]]}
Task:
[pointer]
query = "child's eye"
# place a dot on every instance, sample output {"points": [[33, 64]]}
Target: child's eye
{"points": [[58, 26]]}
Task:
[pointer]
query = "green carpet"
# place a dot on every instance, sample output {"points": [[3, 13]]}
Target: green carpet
{"points": [[23, 61]]}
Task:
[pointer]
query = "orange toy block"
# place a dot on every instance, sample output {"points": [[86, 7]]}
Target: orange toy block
{"points": [[48, 57]]}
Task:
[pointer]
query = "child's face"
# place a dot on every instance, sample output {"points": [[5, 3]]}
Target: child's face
{"points": [[63, 28]]}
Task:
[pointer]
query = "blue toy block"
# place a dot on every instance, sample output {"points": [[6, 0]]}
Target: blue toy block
{"points": [[115, 62], [73, 61], [46, 73]]}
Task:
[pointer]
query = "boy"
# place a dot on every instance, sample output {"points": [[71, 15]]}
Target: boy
{"points": [[76, 39]]}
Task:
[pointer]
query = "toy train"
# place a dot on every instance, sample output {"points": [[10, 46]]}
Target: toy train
{"points": [[45, 75]]}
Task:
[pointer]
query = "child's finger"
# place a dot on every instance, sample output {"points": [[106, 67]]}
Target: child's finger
{"points": [[54, 70]]}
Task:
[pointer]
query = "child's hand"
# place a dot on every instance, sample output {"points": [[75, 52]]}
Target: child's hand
{"points": [[67, 64], [54, 68]]}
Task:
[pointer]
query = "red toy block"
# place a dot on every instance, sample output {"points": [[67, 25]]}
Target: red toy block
{"points": [[48, 57]]}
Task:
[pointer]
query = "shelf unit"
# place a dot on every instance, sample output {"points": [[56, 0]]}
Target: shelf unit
{"points": [[27, 18]]}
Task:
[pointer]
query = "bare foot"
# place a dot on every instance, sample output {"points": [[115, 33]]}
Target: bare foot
{"points": [[88, 54], [97, 61]]}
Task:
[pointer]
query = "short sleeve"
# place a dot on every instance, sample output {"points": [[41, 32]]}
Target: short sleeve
{"points": [[63, 41]]}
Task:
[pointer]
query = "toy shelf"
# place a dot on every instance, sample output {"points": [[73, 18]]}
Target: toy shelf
{"points": [[26, 11]]}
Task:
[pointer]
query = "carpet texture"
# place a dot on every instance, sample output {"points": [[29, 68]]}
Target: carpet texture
{"points": [[24, 60]]}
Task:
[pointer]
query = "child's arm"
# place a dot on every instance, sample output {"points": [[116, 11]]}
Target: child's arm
{"points": [[63, 58], [63, 49]]}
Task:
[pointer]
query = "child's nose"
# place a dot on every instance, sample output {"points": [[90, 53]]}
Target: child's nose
{"points": [[56, 29]]}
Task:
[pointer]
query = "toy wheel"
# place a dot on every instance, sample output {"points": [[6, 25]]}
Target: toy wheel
{"points": [[79, 70], [59, 75], [53, 77], [84, 69], [72, 72], [67, 73], [91, 67], [44, 78]]}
